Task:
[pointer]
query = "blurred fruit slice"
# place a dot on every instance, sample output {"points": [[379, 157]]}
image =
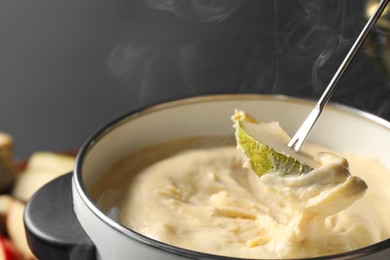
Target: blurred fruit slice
{"points": [[5, 202], [264, 145], [30, 182], [15, 228], [41, 168], [57, 163], [8, 250], [7, 167]]}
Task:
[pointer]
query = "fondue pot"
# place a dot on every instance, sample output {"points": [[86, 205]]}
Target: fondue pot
{"points": [[63, 221]]}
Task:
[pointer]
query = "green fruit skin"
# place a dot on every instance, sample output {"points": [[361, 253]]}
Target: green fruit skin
{"points": [[265, 160]]}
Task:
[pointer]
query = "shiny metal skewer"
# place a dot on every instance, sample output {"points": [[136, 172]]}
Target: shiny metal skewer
{"points": [[302, 133]]}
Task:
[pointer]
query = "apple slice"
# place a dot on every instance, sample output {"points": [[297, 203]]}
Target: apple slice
{"points": [[15, 228], [42, 168], [8, 250], [58, 163], [5, 202], [30, 182], [264, 146]]}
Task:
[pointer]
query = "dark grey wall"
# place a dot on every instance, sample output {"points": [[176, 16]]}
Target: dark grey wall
{"points": [[67, 67]]}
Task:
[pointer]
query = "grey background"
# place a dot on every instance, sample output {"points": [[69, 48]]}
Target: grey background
{"points": [[68, 67]]}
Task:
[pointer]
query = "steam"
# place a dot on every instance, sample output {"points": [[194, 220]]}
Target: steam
{"points": [[315, 39], [203, 10], [189, 47], [336, 43], [332, 48], [337, 34], [133, 63], [125, 59]]}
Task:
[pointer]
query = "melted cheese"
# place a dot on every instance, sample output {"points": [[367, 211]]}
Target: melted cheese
{"points": [[204, 200]]}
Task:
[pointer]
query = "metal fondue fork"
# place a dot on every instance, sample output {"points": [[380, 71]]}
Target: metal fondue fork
{"points": [[300, 136]]}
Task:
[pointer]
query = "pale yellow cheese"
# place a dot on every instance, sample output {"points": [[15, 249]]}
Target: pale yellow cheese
{"points": [[204, 200]]}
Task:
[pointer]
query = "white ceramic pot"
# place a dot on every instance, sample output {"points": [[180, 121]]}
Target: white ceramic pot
{"points": [[340, 128]]}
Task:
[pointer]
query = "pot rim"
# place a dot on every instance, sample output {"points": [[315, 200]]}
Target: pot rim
{"points": [[150, 108]]}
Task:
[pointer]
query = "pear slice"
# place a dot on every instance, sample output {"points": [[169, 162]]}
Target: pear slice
{"points": [[264, 146]]}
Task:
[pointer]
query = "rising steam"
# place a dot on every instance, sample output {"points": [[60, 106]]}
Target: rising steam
{"points": [[125, 59], [294, 47], [203, 10]]}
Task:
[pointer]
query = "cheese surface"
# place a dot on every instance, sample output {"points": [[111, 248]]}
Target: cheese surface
{"points": [[204, 200]]}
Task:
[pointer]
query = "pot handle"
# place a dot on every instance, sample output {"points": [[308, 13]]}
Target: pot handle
{"points": [[52, 228]]}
